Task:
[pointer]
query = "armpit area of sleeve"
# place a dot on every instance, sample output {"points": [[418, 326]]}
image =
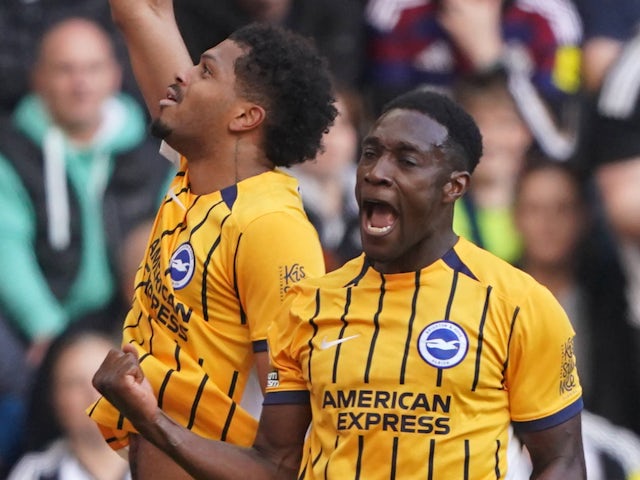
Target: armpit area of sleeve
{"points": [[298, 397]]}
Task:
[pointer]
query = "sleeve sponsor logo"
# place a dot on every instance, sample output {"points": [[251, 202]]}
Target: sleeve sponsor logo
{"points": [[290, 274], [568, 376]]}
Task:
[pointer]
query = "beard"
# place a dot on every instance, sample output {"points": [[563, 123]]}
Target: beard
{"points": [[159, 129]]}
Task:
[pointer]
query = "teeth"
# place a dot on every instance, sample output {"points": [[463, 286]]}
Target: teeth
{"points": [[378, 229]]}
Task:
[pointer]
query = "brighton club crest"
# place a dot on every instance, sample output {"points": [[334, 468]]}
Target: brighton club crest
{"points": [[443, 344], [182, 266]]}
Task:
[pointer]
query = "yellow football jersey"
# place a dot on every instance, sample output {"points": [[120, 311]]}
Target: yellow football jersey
{"points": [[216, 269], [419, 375]]}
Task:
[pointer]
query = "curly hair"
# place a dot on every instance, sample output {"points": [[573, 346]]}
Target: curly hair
{"points": [[283, 72], [463, 136]]}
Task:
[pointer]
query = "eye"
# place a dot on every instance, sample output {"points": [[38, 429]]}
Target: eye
{"points": [[205, 71], [368, 154], [408, 160]]}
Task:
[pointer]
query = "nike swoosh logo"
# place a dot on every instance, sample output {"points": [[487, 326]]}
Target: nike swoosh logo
{"points": [[325, 345]]}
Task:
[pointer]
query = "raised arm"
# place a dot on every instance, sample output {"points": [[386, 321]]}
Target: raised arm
{"points": [[156, 48], [475, 27], [276, 452], [557, 453]]}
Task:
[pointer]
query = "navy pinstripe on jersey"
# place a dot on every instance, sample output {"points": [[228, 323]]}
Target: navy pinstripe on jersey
{"points": [[216, 269], [419, 374]]}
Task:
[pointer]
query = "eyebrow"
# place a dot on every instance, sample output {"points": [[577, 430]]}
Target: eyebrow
{"points": [[210, 57], [401, 145]]}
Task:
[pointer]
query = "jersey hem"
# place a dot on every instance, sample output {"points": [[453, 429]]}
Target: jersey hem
{"points": [[557, 418], [288, 397]]}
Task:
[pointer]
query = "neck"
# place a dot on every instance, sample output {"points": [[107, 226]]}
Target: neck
{"points": [[419, 257], [213, 169], [82, 135]]}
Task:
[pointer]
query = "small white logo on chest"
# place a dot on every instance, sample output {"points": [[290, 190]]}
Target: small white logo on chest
{"points": [[325, 344]]}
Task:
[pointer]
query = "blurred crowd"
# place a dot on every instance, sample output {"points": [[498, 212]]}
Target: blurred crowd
{"points": [[554, 86]]}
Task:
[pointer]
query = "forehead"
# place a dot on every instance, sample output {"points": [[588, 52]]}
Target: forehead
{"points": [[401, 126], [548, 184], [224, 55], [91, 350], [75, 42]]}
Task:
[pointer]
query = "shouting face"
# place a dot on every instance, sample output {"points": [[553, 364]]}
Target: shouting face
{"points": [[405, 189]]}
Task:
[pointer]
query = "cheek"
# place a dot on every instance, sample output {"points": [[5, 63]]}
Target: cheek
{"points": [[359, 179], [421, 206]]}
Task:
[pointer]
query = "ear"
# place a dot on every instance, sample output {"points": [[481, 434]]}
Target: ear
{"points": [[456, 186], [248, 117]]}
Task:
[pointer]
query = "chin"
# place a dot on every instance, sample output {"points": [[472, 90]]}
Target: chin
{"points": [[159, 129], [377, 253]]}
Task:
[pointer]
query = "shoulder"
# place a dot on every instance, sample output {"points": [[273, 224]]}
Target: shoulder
{"points": [[348, 274], [272, 194], [15, 146], [505, 279]]}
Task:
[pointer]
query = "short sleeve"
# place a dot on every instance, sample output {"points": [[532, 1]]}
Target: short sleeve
{"points": [[275, 251], [542, 379], [285, 335]]}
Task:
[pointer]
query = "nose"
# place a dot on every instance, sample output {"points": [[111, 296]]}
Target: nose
{"points": [[378, 172], [182, 78]]}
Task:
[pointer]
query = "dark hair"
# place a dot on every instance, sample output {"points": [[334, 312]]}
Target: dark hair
{"points": [[283, 72], [464, 140], [42, 424]]}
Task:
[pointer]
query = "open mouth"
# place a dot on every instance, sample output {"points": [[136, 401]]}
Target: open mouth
{"points": [[172, 96], [379, 218]]}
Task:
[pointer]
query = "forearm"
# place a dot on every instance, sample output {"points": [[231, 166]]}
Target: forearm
{"points": [[276, 452], [561, 469], [467, 22], [210, 459], [156, 49], [485, 54]]}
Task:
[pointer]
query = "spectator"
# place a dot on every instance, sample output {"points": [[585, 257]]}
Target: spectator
{"points": [[611, 144], [62, 442], [327, 183], [485, 214], [77, 171], [336, 26], [75, 176], [22, 24], [534, 44], [562, 249]]}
